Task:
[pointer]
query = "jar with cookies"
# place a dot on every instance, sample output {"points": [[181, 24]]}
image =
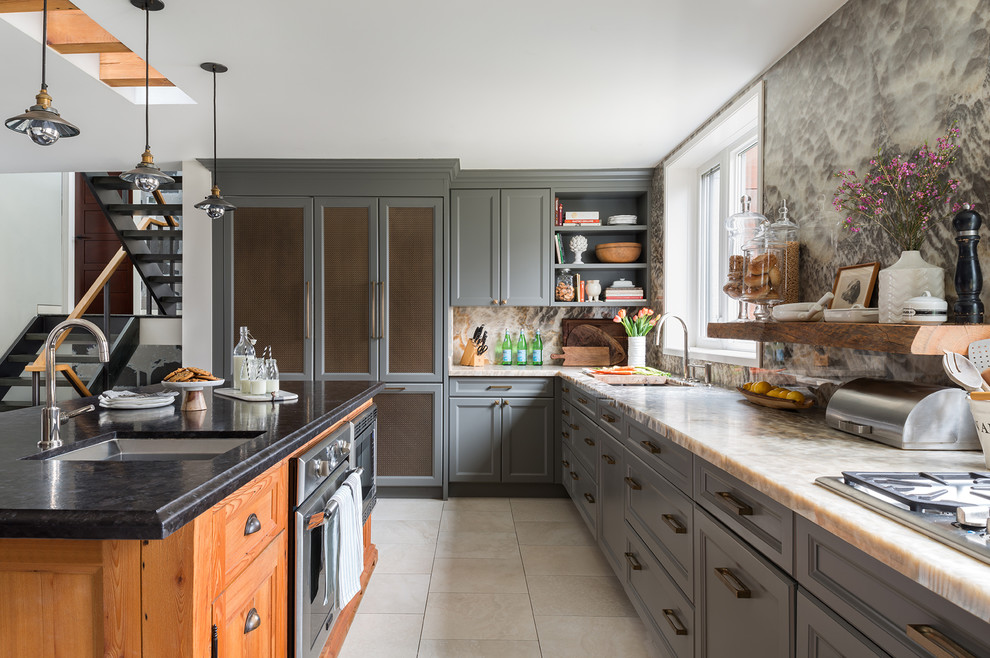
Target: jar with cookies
{"points": [[740, 227], [564, 290], [763, 276]]}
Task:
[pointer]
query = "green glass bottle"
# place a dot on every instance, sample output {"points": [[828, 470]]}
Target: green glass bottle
{"points": [[507, 349], [537, 347], [521, 352]]}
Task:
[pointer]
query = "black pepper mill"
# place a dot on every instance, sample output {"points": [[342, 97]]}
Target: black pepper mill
{"points": [[968, 308]]}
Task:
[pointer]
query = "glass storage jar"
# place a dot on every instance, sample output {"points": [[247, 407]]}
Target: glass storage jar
{"points": [[763, 273], [785, 232], [740, 227], [564, 290]]}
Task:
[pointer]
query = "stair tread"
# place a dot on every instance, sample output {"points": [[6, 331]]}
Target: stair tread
{"points": [[116, 183], [158, 278], [60, 382], [62, 358], [144, 209], [152, 235], [73, 337], [155, 258]]}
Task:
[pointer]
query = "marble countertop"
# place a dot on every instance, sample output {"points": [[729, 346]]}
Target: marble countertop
{"points": [[782, 452], [151, 500]]}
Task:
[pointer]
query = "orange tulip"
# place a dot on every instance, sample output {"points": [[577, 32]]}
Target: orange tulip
{"points": [[617, 320]]}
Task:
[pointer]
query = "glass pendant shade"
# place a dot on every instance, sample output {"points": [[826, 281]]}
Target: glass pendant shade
{"points": [[215, 205], [146, 175]]}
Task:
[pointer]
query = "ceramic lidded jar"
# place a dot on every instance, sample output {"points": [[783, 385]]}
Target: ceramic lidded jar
{"points": [[925, 309], [909, 277]]}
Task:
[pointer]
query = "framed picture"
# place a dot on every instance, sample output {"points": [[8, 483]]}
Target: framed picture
{"points": [[854, 285]]}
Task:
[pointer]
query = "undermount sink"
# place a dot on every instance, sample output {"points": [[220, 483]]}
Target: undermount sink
{"points": [[150, 447]]}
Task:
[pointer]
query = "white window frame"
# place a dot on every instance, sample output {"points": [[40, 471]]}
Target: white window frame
{"points": [[692, 271]]}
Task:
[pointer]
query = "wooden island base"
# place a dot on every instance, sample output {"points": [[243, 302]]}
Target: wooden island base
{"points": [[339, 633]]}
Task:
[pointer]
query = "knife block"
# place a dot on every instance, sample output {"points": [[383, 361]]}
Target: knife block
{"points": [[472, 358]]}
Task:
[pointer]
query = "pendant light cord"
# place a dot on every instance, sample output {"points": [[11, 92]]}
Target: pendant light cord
{"points": [[214, 125], [147, 69], [44, 43]]}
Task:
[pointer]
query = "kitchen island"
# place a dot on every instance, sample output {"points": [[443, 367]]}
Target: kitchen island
{"points": [[157, 558]]}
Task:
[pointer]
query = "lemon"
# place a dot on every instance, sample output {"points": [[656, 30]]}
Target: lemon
{"points": [[761, 387], [796, 396], [773, 391], [748, 386]]}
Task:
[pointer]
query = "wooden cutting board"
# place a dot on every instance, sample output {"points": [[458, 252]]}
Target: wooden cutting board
{"points": [[592, 333], [583, 356]]}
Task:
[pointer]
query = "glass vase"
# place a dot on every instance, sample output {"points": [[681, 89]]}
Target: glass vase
{"points": [[909, 277], [637, 351]]}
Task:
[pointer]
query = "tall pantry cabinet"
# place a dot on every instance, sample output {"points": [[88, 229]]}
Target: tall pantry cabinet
{"points": [[346, 288]]}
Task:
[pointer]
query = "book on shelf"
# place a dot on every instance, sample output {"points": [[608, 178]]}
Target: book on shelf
{"points": [[581, 296], [582, 215], [558, 212], [582, 222], [559, 248], [624, 298], [578, 285]]}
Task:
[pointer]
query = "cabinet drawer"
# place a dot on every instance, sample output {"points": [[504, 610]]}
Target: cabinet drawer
{"points": [[742, 599], [877, 600], [822, 634], [566, 466], [505, 387], [585, 401], [585, 442], [754, 516], [663, 517], [661, 454], [610, 418], [661, 605], [584, 493], [249, 519], [567, 416]]}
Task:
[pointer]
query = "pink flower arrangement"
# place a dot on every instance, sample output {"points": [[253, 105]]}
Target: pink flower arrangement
{"points": [[639, 324], [902, 196]]}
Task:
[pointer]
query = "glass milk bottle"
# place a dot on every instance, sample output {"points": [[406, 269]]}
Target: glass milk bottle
{"points": [[243, 349], [271, 381]]}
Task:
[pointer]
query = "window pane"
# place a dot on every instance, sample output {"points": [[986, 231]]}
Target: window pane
{"points": [[748, 166], [710, 243]]}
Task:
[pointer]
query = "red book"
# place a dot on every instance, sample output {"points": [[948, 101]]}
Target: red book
{"points": [[581, 292]]}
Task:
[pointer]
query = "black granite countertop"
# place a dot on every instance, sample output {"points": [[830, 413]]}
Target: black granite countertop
{"points": [[151, 500]]}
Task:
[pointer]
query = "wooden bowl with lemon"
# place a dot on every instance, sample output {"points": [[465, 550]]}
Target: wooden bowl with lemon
{"points": [[774, 397]]}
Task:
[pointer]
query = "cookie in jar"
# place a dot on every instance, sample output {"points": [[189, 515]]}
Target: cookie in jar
{"points": [[564, 290]]}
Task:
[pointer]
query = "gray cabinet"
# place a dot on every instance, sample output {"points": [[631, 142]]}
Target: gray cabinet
{"points": [[410, 434], [823, 634], [500, 247], [501, 440], [611, 500]]}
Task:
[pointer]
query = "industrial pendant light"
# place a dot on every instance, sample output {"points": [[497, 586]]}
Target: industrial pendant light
{"points": [[146, 176], [41, 121], [215, 205]]}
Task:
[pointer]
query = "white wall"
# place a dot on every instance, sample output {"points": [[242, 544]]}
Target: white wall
{"points": [[197, 268], [32, 265]]}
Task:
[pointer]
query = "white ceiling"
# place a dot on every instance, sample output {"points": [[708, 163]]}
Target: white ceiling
{"points": [[508, 84]]}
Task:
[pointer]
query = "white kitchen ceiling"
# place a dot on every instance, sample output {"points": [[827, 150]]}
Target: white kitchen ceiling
{"points": [[510, 84]]}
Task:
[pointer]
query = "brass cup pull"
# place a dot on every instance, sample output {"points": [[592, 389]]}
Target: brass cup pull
{"points": [[633, 484], [566, 435], [674, 524], [633, 562], [935, 642], [252, 526], [607, 418], [565, 412], [652, 448], [588, 497], [566, 463], [582, 401], [565, 389], [742, 509], [574, 476], [733, 583], [253, 621], [608, 459], [589, 442], [674, 622], [574, 427]]}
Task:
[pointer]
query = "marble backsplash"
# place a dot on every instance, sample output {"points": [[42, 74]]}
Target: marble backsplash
{"points": [[884, 74]]}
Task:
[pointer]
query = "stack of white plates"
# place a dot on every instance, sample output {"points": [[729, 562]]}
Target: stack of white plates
{"points": [[618, 220], [132, 400]]}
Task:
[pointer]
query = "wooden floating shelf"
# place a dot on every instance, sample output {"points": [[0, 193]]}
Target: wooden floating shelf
{"points": [[894, 338]]}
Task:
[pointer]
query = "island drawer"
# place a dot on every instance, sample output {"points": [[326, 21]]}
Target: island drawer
{"points": [[248, 520], [661, 454], [585, 401], [567, 415], [610, 418], [585, 443], [766, 524], [584, 492], [566, 466], [504, 387], [886, 606]]}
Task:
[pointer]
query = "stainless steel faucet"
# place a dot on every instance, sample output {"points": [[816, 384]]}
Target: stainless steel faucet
{"points": [[663, 319], [51, 416]]}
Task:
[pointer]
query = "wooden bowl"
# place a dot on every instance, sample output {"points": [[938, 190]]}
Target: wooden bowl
{"points": [[618, 252], [774, 403]]}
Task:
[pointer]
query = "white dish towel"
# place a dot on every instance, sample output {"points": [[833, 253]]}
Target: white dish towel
{"points": [[351, 560]]}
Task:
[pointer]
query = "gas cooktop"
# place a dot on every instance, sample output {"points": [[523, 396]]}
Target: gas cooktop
{"points": [[952, 508]]}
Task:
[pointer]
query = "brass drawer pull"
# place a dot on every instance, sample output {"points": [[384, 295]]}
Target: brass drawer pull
{"points": [[504, 388], [574, 427], [588, 497], [565, 412], [589, 442], [733, 583], [742, 509], [253, 621], [633, 562], [565, 389], [252, 526], [633, 484], [935, 642], [674, 622], [566, 463], [574, 476], [582, 401], [652, 448], [608, 458], [566, 435], [608, 418], [674, 524]]}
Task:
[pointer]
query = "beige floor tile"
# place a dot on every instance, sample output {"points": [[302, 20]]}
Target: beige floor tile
{"points": [[383, 636], [477, 504], [478, 649], [477, 544], [549, 533], [396, 593], [564, 561], [592, 637], [478, 575], [588, 596], [475, 521], [461, 616], [405, 558], [404, 532], [407, 509], [544, 509]]}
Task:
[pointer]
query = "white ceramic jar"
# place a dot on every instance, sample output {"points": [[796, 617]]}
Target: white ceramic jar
{"points": [[925, 309]]}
